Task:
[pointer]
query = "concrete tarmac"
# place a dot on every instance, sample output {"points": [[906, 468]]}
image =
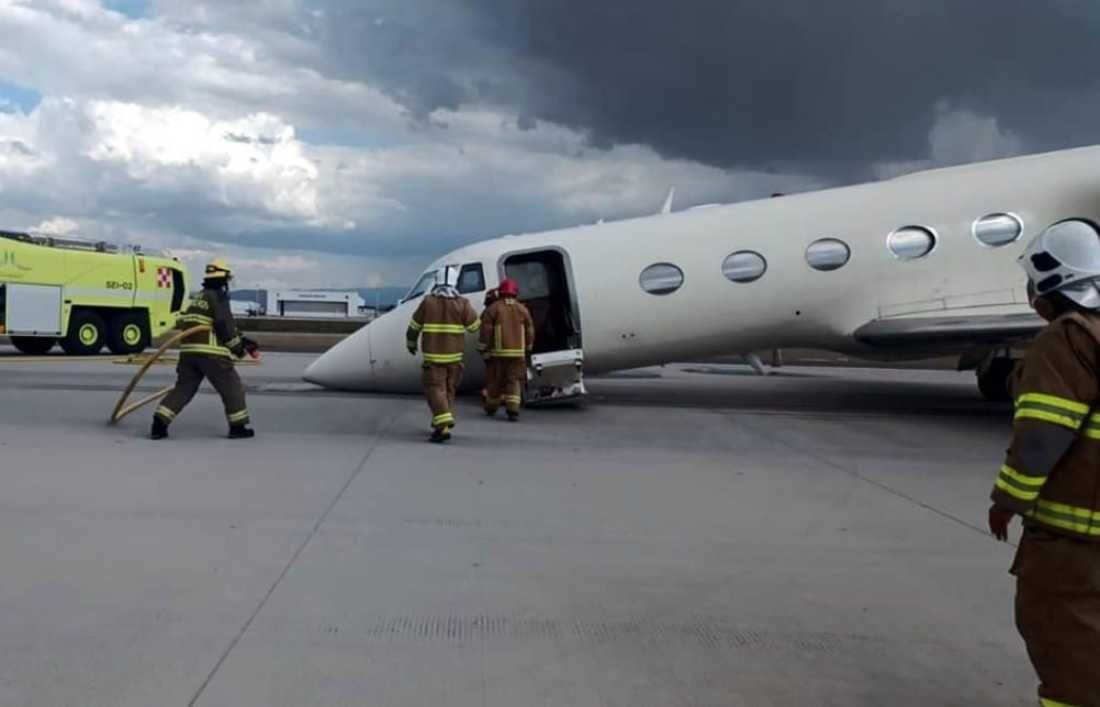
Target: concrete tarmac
{"points": [[695, 535]]}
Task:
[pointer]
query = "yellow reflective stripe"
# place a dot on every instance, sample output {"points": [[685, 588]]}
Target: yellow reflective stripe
{"points": [[197, 318], [1023, 479], [475, 326], [166, 413], [442, 419], [498, 337], [205, 349], [1079, 527], [443, 358], [1020, 486], [1065, 517], [444, 329], [238, 416], [513, 399], [1015, 492], [1071, 406], [415, 325], [1062, 508], [1044, 702], [1052, 409], [1072, 423], [1092, 429]]}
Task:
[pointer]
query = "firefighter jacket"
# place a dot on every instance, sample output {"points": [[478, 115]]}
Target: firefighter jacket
{"points": [[211, 307], [507, 330], [1051, 475], [441, 323]]}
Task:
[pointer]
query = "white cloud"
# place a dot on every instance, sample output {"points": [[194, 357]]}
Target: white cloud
{"points": [[213, 129], [161, 62], [963, 136], [958, 136], [254, 162], [57, 227]]}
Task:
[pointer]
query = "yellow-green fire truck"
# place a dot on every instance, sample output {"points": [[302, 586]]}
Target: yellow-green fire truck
{"points": [[85, 294]]}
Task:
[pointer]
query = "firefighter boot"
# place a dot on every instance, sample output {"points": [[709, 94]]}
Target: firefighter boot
{"points": [[160, 429], [440, 435], [241, 432], [513, 416]]}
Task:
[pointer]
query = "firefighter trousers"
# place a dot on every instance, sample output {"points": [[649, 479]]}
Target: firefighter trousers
{"points": [[491, 365], [190, 372], [1058, 615], [507, 377], [441, 383]]}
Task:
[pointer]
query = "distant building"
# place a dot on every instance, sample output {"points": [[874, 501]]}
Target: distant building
{"points": [[245, 308], [311, 303]]}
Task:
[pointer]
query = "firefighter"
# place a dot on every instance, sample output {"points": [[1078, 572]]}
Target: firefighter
{"points": [[507, 335], [491, 296], [1051, 476], [441, 323], [209, 355]]}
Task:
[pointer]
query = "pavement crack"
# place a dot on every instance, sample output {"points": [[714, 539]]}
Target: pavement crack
{"points": [[378, 438], [826, 461]]}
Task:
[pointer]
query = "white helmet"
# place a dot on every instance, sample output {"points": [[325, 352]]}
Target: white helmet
{"points": [[1066, 258], [446, 281]]}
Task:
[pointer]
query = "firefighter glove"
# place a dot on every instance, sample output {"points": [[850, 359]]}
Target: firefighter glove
{"points": [[999, 519]]}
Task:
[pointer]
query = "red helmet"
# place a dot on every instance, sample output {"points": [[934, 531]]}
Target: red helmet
{"points": [[508, 288]]}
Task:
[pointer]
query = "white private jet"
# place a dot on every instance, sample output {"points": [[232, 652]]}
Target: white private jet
{"points": [[918, 265]]}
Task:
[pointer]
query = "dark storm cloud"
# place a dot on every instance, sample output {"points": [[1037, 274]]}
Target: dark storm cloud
{"points": [[830, 87]]}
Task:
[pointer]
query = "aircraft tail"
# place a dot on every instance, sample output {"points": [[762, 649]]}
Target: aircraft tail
{"points": [[666, 208]]}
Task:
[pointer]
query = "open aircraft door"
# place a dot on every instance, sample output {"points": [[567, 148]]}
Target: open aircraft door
{"points": [[555, 371]]}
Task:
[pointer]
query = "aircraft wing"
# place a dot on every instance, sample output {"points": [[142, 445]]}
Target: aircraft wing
{"points": [[958, 332]]}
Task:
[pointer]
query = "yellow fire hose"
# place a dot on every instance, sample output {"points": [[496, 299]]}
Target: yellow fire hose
{"points": [[121, 408]]}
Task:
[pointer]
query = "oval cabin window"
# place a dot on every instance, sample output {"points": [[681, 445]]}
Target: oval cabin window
{"points": [[744, 266], [911, 242], [661, 279], [996, 230], [828, 254]]}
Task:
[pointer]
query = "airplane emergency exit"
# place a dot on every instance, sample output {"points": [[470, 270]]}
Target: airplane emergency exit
{"points": [[915, 266]]}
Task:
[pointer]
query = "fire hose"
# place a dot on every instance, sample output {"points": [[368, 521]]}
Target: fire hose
{"points": [[122, 409]]}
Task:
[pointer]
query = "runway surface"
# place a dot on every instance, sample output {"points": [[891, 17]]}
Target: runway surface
{"points": [[695, 535]]}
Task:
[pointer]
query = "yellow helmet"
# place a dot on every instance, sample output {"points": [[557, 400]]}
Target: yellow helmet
{"points": [[218, 269]]}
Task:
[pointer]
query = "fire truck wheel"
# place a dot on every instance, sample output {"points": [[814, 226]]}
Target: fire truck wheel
{"points": [[127, 334], [33, 345], [87, 334]]}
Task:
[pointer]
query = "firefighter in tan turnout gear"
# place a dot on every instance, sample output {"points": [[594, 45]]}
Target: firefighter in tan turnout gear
{"points": [[441, 323], [1051, 476], [491, 296], [209, 355], [507, 335]]}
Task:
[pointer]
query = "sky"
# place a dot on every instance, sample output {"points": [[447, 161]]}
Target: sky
{"points": [[347, 143]]}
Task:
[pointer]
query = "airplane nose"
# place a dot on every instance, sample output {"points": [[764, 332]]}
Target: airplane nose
{"points": [[346, 365]]}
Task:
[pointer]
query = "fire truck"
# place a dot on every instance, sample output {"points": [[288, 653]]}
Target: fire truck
{"points": [[85, 295]]}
